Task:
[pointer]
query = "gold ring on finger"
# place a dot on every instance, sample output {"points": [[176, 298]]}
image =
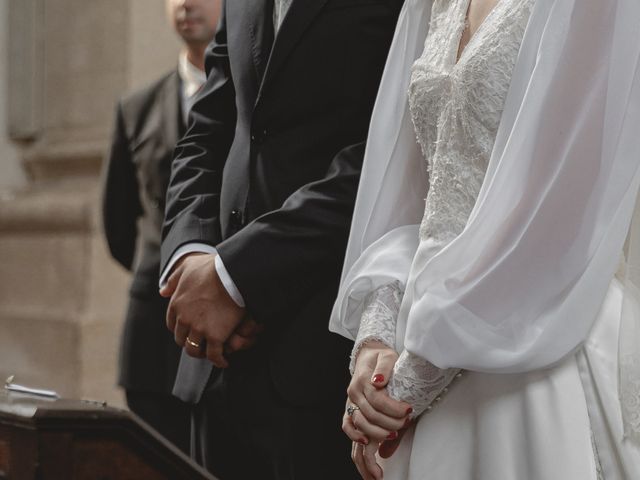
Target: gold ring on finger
{"points": [[192, 343]]}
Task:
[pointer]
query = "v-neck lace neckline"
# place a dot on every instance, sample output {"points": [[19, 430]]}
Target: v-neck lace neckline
{"points": [[464, 11]]}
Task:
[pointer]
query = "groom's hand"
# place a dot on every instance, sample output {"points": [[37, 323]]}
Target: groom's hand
{"points": [[201, 309], [244, 337]]}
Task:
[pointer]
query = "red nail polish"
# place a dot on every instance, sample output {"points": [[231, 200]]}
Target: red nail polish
{"points": [[363, 441], [378, 378], [392, 436], [409, 411], [407, 422]]}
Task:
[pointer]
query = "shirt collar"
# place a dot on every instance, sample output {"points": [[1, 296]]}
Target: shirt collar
{"points": [[192, 77]]}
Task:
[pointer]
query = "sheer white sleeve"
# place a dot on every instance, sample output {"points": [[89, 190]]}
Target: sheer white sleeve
{"points": [[381, 248], [520, 287]]}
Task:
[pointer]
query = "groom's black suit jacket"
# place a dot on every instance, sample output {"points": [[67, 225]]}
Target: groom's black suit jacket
{"points": [[268, 173]]}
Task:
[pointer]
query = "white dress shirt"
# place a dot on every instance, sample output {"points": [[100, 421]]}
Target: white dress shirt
{"points": [[280, 9], [192, 80]]}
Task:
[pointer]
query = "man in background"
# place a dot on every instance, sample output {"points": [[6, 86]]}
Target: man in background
{"points": [[148, 124]]}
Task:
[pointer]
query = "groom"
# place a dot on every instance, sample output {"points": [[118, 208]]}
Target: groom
{"points": [[258, 214]]}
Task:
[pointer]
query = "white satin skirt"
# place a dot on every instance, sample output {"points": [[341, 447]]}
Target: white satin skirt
{"points": [[562, 423]]}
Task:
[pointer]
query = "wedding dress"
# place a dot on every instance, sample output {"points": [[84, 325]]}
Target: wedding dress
{"points": [[557, 422], [456, 105]]}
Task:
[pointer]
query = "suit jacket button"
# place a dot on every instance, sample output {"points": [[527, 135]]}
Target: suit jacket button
{"points": [[236, 218]]}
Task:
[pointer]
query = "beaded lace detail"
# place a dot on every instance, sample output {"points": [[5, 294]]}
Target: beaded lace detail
{"points": [[456, 106], [378, 321], [419, 383]]}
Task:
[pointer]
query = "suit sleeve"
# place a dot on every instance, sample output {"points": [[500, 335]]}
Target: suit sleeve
{"points": [[193, 197], [121, 202], [279, 259]]}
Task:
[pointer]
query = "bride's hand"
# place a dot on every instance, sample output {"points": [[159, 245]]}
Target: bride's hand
{"points": [[377, 417], [389, 447], [364, 456]]}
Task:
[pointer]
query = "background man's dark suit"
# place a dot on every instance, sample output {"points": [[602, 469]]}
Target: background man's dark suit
{"points": [[268, 173], [148, 125]]}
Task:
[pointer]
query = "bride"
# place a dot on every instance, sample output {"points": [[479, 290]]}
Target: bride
{"points": [[494, 340]]}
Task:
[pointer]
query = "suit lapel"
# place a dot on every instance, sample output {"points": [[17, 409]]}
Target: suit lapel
{"points": [[250, 31], [262, 36], [163, 118], [300, 15]]}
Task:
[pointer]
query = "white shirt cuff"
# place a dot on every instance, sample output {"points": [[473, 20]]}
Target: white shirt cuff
{"points": [[228, 282], [181, 252], [223, 274]]}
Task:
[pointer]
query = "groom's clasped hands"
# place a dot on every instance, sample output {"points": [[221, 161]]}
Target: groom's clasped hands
{"points": [[204, 319], [373, 420], [207, 322]]}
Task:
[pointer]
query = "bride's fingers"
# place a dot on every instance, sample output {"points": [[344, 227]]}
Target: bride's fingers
{"points": [[378, 417], [371, 464], [351, 431], [358, 429], [372, 387], [385, 362], [375, 418], [391, 408], [389, 447], [358, 459], [371, 431], [383, 403], [357, 456], [357, 396]]}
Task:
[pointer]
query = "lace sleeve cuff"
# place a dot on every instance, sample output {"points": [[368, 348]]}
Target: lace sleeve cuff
{"points": [[419, 382], [378, 322]]}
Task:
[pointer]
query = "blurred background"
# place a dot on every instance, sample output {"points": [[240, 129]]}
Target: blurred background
{"points": [[63, 65]]}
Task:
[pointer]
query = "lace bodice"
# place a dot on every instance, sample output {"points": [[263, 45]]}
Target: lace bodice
{"points": [[456, 105]]}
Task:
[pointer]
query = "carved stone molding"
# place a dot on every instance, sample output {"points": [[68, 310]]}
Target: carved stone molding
{"points": [[62, 161], [47, 212]]}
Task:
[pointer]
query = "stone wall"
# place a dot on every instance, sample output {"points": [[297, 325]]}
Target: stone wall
{"points": [[62, 299], [11, 173]]}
